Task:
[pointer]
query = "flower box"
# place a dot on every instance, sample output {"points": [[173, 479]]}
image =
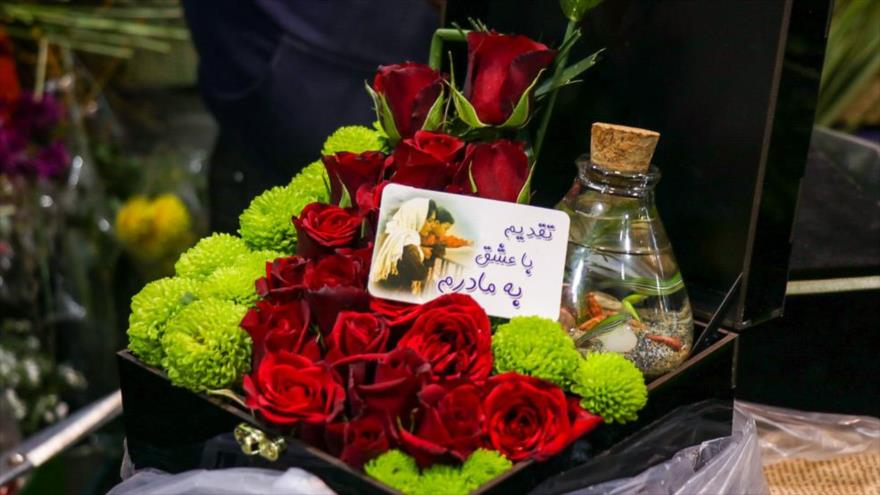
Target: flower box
{"points": [[734, 245], [172, 429]]}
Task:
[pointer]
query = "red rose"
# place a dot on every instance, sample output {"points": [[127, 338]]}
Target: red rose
{"points": [[349, 171], [287, 388], [356, 333], [409, 90], [453, 334], [499, 169], [582, 421], [368, 199], [284, 279], [336, 283], [528, 418], [277, 327], [357, 441], [323, 228], [392, 391], [449, 424], [336, 270], [362, 254], [397, 314], [500, 69], [427, 160]]}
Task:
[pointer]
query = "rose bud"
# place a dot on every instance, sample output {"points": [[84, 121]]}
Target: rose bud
{"points": [[428, 160], [408, 97], [349, 171], [499, 170], [323, 228], [287, 388], [501, 71]]}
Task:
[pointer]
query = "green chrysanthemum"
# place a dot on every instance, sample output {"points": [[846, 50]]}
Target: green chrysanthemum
{"points": [[483, 466], [442, 479], [354, 139], [204, 347], [395, 469], [209, 254], [537, 347], [236, 282], [266, 223], [231, 283], [610, 386], [151, 308], [256, 260], [312, 180], [399, 470]]}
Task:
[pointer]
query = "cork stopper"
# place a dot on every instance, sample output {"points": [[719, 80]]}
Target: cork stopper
{"points": [[621, 148]]}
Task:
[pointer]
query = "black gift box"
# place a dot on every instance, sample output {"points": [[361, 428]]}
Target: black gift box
{"points": [[172, 429], [731, 86]]}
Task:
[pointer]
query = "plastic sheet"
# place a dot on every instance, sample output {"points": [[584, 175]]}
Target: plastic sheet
{"points": [[723, 465], [236, 481], [790, 434]]}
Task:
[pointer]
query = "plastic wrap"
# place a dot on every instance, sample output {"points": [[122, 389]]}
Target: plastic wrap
{"points": [[723, 465], [236, 481], [790, 434]]}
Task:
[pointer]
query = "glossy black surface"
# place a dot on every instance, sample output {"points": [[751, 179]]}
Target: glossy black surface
{"points": [[731, 86], [173, 429]]}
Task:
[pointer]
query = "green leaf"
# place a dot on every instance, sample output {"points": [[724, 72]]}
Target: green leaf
{"points": [[631, 310], [520, 114], [604, 326], [635, 298], [525, 194], [383, 113], [345, 199], [465, 110], [463, 107], [568, 74], [576, 9], [435, 115]]}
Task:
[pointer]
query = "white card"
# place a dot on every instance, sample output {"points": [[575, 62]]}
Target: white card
{"points": [[509, 257]]}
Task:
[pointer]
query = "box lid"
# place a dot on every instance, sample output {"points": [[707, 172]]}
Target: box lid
{"points": [[731, 87]]}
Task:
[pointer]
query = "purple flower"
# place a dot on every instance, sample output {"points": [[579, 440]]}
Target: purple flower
{"points": [[35, 117], [52, 161], [13, 145]]}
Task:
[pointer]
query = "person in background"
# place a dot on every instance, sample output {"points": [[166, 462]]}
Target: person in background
{"points": [[280, 75]]}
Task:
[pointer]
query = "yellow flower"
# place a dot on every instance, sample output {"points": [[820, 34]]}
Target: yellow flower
{"points": [[171, 218], [153, 229], [133, 221]]}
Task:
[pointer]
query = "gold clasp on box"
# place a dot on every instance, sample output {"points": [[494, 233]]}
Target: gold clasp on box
{"points": [[254, 442]]}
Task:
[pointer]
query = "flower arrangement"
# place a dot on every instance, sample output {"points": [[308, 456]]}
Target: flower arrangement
{"points": [[428, 398]]}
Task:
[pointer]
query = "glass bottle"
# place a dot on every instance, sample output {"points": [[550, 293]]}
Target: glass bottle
{"points": [[622, 288]]}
